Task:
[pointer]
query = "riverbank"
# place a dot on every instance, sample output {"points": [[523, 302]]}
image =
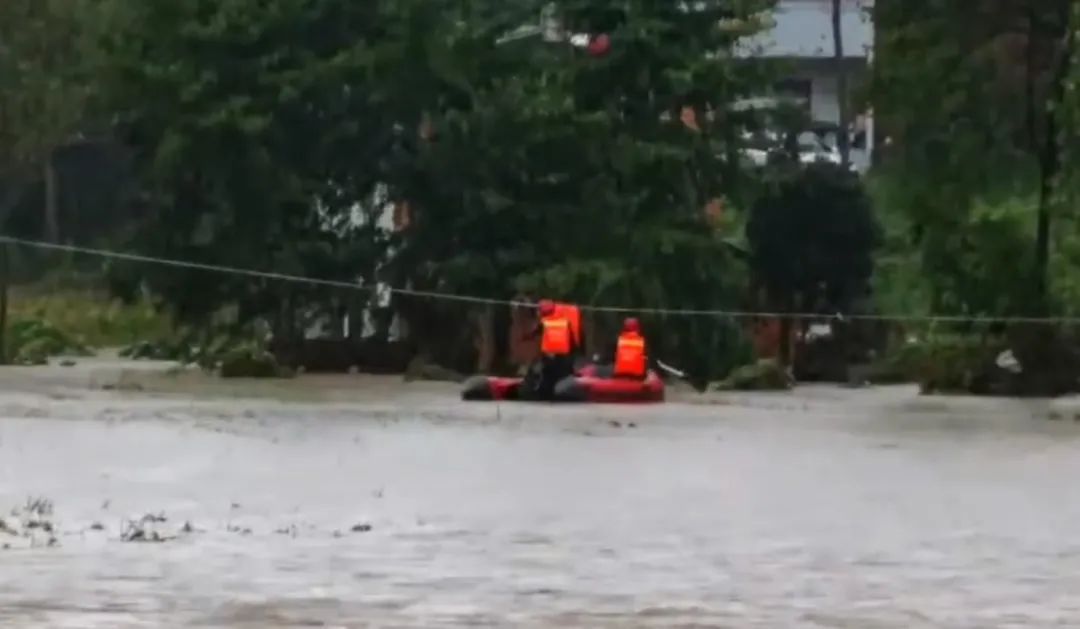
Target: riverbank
{"points": [[106, 378]]}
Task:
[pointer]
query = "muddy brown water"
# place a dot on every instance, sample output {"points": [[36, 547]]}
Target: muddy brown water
{"points": [[824, 508]]}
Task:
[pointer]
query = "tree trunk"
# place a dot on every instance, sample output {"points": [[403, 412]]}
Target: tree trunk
{"points": [[52, 201], [843, 139], [1049, 156]]}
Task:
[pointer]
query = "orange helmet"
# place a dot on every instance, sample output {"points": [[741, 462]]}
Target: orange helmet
{"points": [[547, 307], [631, 324]]}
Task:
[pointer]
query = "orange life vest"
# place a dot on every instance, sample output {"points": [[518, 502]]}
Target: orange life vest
{"points": [[630, 355], [573, 315], [556, 339]]}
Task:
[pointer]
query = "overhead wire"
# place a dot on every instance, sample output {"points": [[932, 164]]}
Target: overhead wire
{"points": [[480, 300]]}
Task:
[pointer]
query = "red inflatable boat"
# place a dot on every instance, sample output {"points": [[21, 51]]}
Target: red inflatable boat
{"points": [[591, 383]]}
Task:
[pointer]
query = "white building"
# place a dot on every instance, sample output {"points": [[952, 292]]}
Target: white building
{"points": [[802, 36]]}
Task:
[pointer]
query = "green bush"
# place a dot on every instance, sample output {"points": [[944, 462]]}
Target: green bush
{"points": [[250, 360], [34, 341], [90, 316], [944, 363]]}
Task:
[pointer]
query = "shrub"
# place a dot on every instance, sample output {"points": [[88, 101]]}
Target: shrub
{"points": [[764, 375]]}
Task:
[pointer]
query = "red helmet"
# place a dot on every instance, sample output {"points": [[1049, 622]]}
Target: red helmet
{"points": [[599, 45], [631, 324], [547, 307]]}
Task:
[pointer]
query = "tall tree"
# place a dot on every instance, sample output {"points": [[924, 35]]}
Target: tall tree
{"points": [[44, 78], [597, 163], [966, 153], [255, 130]]}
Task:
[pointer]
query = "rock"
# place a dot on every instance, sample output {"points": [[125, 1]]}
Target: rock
{"points": [[764, 375]]}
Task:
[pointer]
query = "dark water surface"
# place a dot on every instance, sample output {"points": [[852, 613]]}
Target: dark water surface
{"points": [[825, 508]]}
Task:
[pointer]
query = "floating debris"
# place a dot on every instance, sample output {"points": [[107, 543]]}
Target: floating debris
{"points": [[240, 530], [144, 530], [362, 527], [31, 524]]}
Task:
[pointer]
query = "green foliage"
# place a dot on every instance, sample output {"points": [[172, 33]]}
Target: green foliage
{"points": [[764, 375], [91, 316], [42, 75], [250, 360], [34, 341], [958, 363], [968, 94], [255, 136], [589, 187]]}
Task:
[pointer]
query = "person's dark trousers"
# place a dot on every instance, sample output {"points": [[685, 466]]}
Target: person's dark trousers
{"points": [[552, 370]]}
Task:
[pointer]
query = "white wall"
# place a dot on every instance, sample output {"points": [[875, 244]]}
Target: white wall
{"points": [[803, 28]]}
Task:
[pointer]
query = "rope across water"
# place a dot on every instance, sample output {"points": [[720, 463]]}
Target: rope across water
{"points": [[473, 299]]}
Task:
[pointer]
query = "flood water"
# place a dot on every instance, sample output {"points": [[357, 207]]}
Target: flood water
{"points": [[825, 508]]}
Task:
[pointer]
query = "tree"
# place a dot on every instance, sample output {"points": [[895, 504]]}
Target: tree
{"points": [[945, 86], [43, 76], [257, 136], [557, 171], [812, 239]]}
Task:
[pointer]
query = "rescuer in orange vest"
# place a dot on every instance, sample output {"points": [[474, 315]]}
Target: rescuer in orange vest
{"points": [[631, 360], [557, 342]]}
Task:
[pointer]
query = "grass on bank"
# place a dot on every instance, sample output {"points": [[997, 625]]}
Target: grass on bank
{"points": [[90, 318]]}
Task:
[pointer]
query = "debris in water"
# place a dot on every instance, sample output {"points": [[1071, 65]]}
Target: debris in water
{"points": [[44, 525], [39, 507], [97, 526], [632, 425], [143, 530], [290, 530], [363, 527], [235, 505], [232, 528], [614, 424]]}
